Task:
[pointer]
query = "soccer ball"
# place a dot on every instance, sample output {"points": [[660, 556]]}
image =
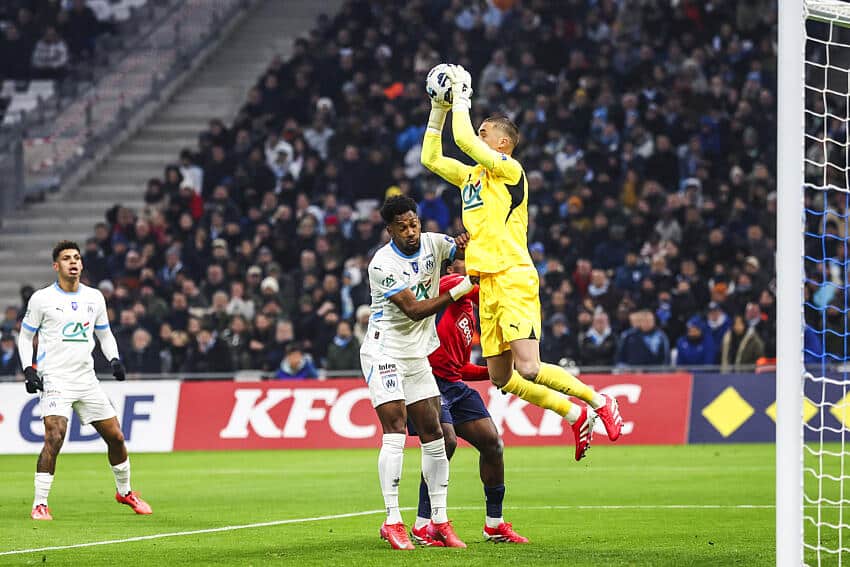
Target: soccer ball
{"points": [[438, 85]]}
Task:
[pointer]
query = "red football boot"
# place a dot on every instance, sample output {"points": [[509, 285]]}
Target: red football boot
{"points": [[396, 534], [611, 419], [134, 501], [445, 534], [41, 512], [583, 431], [503, 534], [422, 538]]}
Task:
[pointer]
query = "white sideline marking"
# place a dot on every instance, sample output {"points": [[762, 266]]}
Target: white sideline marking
{"points": [[381, 511]]}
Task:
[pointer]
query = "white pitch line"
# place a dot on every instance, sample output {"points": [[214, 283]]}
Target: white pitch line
{"points": [[373, 512], [195, 532]]}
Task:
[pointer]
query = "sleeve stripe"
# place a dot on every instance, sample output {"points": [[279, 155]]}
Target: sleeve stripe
{"points": [[101, 327], [394, 291], [29, 328], [452, 253]]}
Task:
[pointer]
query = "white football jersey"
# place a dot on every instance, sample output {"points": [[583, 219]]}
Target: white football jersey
{"points": [[65, 323], [390, 331]]}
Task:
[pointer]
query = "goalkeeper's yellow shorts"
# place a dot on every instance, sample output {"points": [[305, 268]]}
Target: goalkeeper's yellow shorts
{"points": [[509, 308]]}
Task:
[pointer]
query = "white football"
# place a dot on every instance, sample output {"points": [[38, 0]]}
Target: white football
{"points": [[438, 85]]}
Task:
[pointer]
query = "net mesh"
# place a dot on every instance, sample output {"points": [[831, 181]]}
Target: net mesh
{"points": [[826, 538]]}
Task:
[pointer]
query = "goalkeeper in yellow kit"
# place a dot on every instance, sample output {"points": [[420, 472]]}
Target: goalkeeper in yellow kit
{"points": [[495, 213]]}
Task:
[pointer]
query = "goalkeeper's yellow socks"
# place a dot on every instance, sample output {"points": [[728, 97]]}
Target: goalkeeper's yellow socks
{"points": [[555, 377], [542, 396]]}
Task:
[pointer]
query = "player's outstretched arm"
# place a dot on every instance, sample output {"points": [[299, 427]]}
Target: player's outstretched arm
{"points": [[432, 156], [420, 309], [464, 133]]}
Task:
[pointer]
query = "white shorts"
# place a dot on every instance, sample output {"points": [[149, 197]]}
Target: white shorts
{"points": [[90, 402], [392, 379]]}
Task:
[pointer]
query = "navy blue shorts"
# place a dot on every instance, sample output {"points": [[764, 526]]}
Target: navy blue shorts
{"points": [[458, 404]]}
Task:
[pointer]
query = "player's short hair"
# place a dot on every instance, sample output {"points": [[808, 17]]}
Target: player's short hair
{"points": [[397, 205], [64, 245], [507, 126]]}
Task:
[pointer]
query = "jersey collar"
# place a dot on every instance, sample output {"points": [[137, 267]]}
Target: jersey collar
{"points": [[398, 251], [60, 290]]}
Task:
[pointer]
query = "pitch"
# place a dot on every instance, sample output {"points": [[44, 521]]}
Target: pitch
{"points": [[682, 505]]}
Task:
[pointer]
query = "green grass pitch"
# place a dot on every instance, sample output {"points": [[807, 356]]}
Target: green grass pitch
{"points": [[681, 505]]}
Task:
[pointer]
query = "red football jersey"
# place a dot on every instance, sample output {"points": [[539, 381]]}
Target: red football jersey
{"points": [[456, 327]]}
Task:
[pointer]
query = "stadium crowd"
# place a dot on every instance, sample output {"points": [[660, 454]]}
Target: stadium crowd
{"points": [[43, 38], [648, 142]]}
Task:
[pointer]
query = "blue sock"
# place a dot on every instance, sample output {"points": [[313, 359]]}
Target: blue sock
{"points": [[494, 496], [424, 500]]}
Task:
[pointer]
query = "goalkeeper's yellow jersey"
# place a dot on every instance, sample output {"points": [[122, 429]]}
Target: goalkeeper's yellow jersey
{"points": [[494, 194]]}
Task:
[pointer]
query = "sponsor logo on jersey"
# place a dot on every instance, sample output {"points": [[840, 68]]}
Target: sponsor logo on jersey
{"points": [[471, 195], [389, 281], [75, 332], [90, 307], [422, 290], [429, 263]]}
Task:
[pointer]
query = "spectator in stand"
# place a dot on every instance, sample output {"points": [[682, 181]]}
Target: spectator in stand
{"points": [[142, 357], [559, 344], [9, 365], [50, 56], [208, 354], [80, 28], [344, 351], [15, 54], [9, 323], [296, 364], [742, 347], [597, 345], [696, 347], [644, 344]]}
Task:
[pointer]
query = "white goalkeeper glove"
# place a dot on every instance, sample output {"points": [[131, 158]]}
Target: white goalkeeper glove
{"points": [[461, 289], [461, 88]]}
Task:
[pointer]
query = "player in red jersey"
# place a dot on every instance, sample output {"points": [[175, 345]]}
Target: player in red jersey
{"points": [[464, 414]]}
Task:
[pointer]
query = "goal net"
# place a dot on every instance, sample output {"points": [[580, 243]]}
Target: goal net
{"points": [[826, 305]]}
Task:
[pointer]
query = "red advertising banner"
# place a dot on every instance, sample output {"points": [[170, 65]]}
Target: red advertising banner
{"points": [[302, 414]]}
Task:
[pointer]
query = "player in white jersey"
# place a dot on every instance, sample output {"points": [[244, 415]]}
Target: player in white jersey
{"points": [[404, 279], [67, 315]]}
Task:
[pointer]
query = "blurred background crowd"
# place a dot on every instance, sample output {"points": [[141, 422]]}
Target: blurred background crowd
{"points": [[647, 136]]}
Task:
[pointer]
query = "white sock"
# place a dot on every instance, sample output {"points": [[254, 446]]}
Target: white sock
{"points": [[493, 522], [421, 522], [598, 401], [435, 469], [573, 414], [390, 461], [43, 482], [122, 477]]}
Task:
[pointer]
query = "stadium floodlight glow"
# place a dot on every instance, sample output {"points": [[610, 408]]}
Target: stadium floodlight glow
{"points": [[813, 247]]}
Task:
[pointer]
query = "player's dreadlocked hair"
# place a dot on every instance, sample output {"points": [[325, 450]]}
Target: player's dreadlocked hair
{"points": [[395, 206], [507, 126], [64, 245]]}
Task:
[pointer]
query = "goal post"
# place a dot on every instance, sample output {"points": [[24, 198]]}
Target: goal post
{"points": [[789, 274]]}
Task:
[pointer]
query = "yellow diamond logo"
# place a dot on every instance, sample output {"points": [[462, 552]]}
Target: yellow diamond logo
{"points": [[809, 410], [728, 411], [841, 411]]}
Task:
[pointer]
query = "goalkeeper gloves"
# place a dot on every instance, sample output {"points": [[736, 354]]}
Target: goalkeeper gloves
{"points": [[34, 382], [461, 88], [118, 369]]}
